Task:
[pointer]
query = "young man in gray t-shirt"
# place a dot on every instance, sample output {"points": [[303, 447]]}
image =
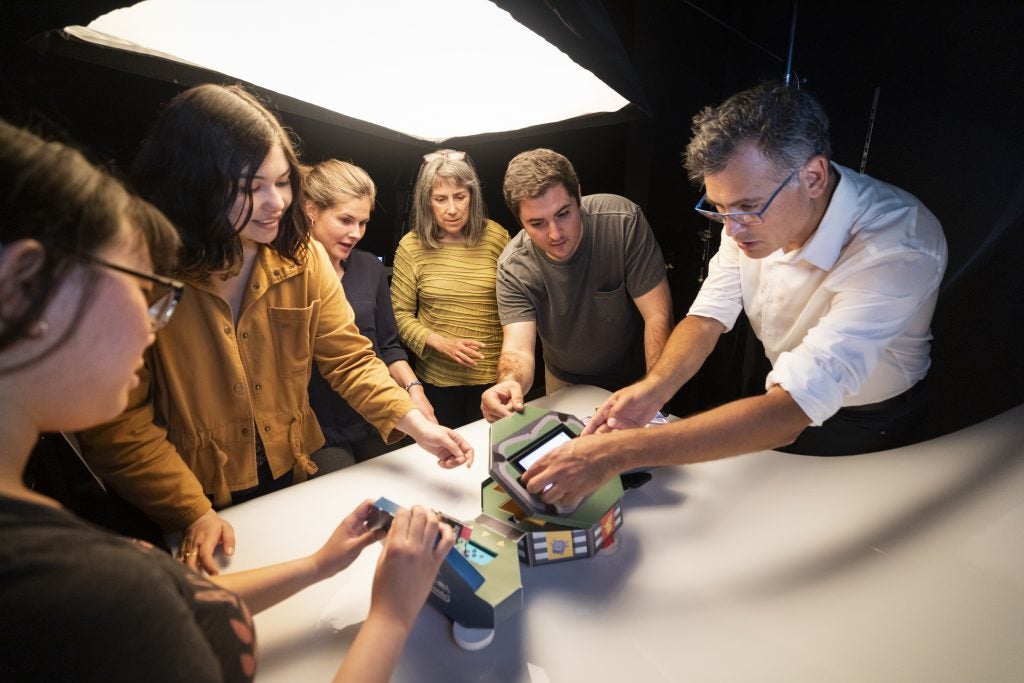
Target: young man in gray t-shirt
{"points": [[586, 274]]}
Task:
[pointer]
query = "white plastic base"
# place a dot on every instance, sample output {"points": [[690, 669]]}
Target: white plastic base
{"points": [[472, 638]]}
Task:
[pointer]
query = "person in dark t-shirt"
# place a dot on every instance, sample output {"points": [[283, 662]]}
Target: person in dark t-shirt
{"points": [[585, 275]]}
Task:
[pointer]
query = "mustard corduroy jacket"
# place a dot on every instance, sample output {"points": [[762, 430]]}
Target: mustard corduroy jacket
{"points": [[207, 384]]}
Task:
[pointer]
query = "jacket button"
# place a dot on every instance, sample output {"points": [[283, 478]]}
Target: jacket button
{"points": [[238, 388], [256, 286], [267, 428], [245, 431], [227, 329], [245, 335], [258, 387]]}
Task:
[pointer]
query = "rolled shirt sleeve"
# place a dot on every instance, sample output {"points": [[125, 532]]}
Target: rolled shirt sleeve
{"points": [[875, 310]]}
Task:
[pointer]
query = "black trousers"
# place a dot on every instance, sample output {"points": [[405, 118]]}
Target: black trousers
{"points": [[455, 406], [864, 429]]}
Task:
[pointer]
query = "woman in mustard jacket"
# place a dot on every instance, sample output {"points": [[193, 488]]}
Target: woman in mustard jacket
{"points": [[222, 413], [79, 604]]}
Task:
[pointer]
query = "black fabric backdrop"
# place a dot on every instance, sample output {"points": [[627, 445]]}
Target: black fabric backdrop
{"points": [[948, 129]]}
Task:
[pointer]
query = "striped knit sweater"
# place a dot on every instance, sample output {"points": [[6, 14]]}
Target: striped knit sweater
{"points": [[450, 291]]}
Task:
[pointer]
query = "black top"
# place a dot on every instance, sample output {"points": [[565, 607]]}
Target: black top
{"points": [[81, 604], [366, 288]]}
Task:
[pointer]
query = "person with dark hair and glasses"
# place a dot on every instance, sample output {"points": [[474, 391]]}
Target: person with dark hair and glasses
{"points": [[222, 414], [838, 274], [78, 307]]}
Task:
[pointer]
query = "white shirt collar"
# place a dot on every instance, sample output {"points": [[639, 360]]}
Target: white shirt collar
{"points": [[822, 250]]}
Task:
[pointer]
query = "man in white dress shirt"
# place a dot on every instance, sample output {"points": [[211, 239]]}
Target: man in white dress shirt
{"points": [[838, 274]]}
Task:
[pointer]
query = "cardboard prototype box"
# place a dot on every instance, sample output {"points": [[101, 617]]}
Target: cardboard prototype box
{"points": [[547, 536], [542, 541], [479, 584]]}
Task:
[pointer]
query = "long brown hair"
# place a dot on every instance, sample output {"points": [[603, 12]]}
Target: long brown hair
{"points": [[204, 148]]}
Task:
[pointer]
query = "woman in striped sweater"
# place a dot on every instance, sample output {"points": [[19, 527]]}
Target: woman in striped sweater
{"points": [[443, 287]]}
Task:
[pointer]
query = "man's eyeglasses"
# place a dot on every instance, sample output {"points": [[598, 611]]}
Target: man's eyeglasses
{"points": [[742, 217], [162, 298], [449, 154]]}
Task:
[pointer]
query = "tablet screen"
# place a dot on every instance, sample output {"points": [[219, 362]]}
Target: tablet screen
{"points": [[544, 445]]}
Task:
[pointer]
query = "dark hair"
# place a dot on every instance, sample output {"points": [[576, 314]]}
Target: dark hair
{"points": [[462, 173], [52, 195], [158, 233], [532, 173], [206, 146], [787, 125]]}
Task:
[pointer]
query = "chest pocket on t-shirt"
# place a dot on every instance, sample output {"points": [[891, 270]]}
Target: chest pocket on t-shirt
{"points": [[292, 331], [612, 306]]}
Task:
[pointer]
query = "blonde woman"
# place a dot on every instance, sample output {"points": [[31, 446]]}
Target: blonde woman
{"points": [[339, 197]]}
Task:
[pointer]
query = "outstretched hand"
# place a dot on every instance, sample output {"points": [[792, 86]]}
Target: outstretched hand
{"points": [[450, 448], [628, 408], [501, 400]]}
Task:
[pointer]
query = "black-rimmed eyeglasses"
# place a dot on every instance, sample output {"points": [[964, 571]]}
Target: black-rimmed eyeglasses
{"points": [[742, 217], [162, 298]]}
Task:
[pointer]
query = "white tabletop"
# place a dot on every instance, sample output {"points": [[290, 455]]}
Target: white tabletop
{"points": [[906, 565]]}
